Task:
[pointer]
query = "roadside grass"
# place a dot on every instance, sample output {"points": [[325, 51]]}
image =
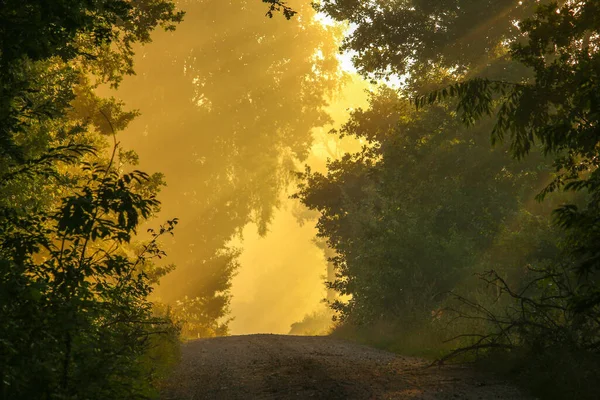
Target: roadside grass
{"points": [[555, 374], [407, 339]]}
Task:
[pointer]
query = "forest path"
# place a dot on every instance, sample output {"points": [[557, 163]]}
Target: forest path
{"points": [[300, 367]]}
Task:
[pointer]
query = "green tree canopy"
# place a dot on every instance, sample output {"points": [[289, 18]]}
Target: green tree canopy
{"points": [[556, 109], [413, 37], [413, 213]]}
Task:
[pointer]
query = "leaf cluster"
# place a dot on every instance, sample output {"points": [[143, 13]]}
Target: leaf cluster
{"points": [[76, 299]]}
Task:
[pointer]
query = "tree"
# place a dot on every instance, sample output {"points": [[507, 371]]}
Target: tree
{"points": [[418, 38], [38, 33], [413, 213], [555, 109], [74, 286], [227, 119], [76, 319]]}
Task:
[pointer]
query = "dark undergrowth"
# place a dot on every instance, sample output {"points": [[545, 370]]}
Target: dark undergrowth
{"points": [[401, 338], [554, 373], [557, 373]]}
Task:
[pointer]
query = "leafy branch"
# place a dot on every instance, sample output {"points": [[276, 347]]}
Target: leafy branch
{"points": [[279, 6]]}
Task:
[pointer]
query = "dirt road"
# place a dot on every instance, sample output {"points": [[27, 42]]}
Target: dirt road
{"points": [[295, 367]]}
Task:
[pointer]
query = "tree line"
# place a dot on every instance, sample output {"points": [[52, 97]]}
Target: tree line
{"points": [[483, 163], [75, 279]]}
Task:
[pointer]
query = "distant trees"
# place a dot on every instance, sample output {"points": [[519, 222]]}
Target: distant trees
{"points": [[229, 102]]}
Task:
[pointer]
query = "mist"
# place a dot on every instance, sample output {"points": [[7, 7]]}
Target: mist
{"points": [[233, 104], [230, 198]]}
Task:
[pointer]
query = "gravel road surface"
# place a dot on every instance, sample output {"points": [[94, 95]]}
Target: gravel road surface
{"points": [[301, 367]]}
